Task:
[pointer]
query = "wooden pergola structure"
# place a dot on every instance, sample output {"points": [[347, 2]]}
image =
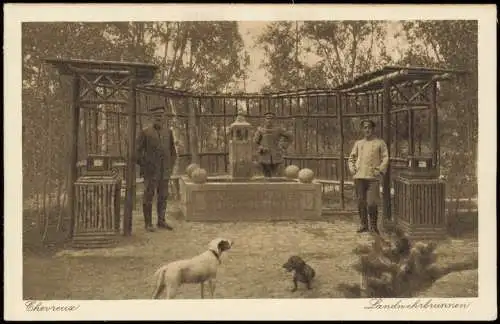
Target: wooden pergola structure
{"points": [[89, 77], [404, 90], [390, 91]]}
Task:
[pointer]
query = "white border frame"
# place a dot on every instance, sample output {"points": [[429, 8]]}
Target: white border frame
{"points": [[483, 307]]}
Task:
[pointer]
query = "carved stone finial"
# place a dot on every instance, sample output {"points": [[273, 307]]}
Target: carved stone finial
{"points": [[240, 118]]}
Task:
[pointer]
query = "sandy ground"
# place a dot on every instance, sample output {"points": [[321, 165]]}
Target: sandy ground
{"points": [[252, 269]]}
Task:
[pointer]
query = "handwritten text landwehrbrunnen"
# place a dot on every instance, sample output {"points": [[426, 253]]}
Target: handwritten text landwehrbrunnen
{"points": [[381, 304]]}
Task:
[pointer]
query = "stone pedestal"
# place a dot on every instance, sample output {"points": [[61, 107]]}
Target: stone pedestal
{"points": [[419, 207], [227, 199], [240, 149]]}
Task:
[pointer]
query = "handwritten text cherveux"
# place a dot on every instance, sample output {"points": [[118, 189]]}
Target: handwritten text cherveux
{"points": [[37, 306]]}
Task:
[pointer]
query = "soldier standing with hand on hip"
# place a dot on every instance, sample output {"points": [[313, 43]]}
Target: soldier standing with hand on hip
{"points": [[368, 162], [272, 141], [156, 156]]}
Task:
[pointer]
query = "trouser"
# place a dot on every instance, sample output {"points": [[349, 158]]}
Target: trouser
{"points": [[367, 192], [270, 169], [160, 186]]}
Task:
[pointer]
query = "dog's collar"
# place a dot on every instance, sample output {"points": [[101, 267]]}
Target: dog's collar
{"points": [[216, 255]]}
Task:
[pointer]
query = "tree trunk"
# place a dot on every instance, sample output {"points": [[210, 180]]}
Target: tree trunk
{"points": [[354, 51]]}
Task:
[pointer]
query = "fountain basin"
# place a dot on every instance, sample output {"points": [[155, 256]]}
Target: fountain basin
{"points": [[223, 198]]}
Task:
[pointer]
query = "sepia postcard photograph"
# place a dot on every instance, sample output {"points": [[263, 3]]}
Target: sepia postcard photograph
{"points": [[282, 162]]}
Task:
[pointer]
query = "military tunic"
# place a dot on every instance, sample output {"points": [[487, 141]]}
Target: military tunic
{"points": [[366, 157], [272, 142], [156, 153]]}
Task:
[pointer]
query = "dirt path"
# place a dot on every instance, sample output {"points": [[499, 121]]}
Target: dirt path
{"points": [[252, 269]]}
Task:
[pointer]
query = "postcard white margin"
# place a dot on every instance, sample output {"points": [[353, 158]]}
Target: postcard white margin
{"points": [[481, 308]]}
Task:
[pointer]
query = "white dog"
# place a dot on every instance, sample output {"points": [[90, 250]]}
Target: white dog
{"points": [[198, 269]]}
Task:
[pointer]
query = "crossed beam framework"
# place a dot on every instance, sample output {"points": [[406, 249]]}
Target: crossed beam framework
{"points": [[403, 89], [89, 79]]}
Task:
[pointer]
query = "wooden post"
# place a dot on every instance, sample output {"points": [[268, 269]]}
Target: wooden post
{"points": [[386, 122], [434, 126], [317, 125], [411, 132], [193, 136], [131, 160], [396, 139], [299, 136], [73, 169], [306, 133], [226, 144], [187, 127], [95, 143], [342, 161]]}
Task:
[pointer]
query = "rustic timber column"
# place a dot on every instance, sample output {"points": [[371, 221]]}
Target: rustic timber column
{"points": [[226, 144], [386, 183], [338, 101], [131, 159], [434, 126], [193, 132], [411, 132], [73, 170], [420, 194], [299, 129]]}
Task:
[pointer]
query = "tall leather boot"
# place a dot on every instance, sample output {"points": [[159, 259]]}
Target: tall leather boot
{"points": [[363, 215], [161, 207], [266, 170], [373, 214], [147, 209]]}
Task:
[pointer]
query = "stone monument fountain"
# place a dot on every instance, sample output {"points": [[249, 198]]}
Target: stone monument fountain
{"points": [[240, 195]]}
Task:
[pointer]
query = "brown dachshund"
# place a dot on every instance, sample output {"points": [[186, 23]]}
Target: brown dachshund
{"points": [[302, 271]]}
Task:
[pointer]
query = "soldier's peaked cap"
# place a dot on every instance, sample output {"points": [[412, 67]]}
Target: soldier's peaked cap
{"points": [[156, 109], [270, 113], [369, 121]]}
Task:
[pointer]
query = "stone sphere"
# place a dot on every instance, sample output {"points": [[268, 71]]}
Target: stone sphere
{"points": [[306, 175], [190, 168], [292, 171], [199, 176]]}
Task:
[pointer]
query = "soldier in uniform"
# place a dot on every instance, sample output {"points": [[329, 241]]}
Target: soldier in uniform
{"points": [[156, 156], [271, 141], [368, 162]]}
